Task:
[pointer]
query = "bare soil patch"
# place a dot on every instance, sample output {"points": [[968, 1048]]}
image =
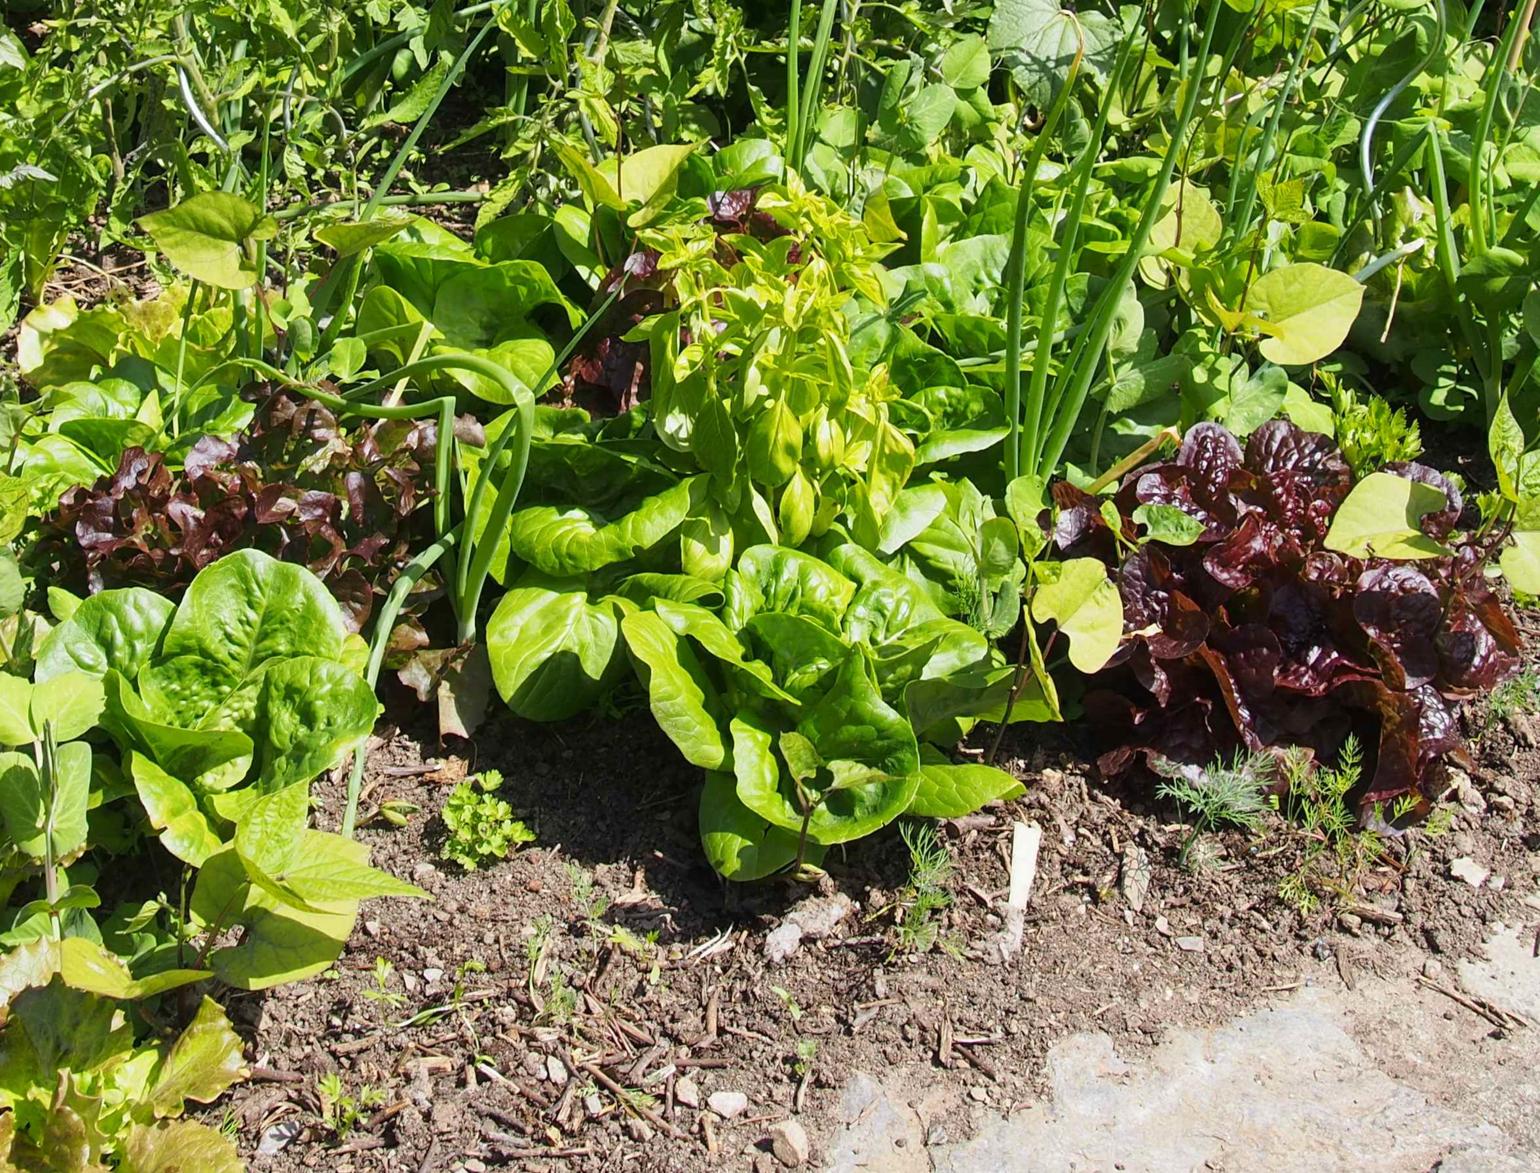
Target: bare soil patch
{"points": [[578, 1005]]}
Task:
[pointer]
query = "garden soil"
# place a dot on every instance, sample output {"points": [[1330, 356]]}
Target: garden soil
{"points": [[600, 1000]]}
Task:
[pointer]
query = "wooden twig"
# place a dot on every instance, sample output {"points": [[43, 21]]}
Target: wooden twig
{"points": [[629, 1101], [1498, 1017]]}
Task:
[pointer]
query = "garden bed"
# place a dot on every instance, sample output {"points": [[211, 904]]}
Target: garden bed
{"points": [[611, 806]]}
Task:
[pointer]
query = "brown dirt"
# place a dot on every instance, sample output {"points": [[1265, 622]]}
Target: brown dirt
{"points": [[666, 974]]}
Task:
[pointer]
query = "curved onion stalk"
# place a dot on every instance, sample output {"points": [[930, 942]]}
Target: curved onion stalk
{"points": [[1371, 124], [475, 559], [1070, 234], [1483, 214], [812, 86], [383, 626], [347, 276]]}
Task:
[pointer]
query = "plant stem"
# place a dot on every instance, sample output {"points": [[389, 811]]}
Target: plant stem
{"points": [[410, 574], [1016, 271]]}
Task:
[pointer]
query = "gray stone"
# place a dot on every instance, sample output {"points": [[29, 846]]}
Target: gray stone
{"points": [[782, 941], [686, 1092], [1230, 1098], [818, 916], [1190, 944], [877, 1131]]}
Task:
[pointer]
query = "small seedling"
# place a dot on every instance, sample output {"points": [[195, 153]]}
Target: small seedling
{"points": [[807, 1051], [396, 811], [381, 991], [1519, 695], [1230, 793], [1316, 804], [481, 825], [927, 894], [340, 1111], [793, 1011]]}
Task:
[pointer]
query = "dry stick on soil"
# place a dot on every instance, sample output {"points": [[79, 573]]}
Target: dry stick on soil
{"points": [[629, 1101], [1496, 1015]]}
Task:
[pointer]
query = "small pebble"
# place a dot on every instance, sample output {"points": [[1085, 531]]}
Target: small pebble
{"points": [[728, 1105], [556, 1071], [1467, 869], [687, 1093], [1190, 944], [788, 1141], [1432, 968]]}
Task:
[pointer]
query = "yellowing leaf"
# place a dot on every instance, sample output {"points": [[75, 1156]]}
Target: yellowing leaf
{"points": [[1381, 517], [1520, 562], [1307, 310], [1081, 599], [203, 1063]]}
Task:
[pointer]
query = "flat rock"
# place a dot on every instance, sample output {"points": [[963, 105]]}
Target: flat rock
{"points": [[1286, 1089], [686, 1092], [818, 916], [782, 941]]}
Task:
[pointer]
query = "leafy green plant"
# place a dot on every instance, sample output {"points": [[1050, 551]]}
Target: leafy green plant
{"points": [[1373, 434], [84, 1083], [481, 825], [342, 1111], [1338, 852]]}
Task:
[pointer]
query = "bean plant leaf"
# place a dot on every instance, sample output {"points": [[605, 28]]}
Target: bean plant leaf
{"points": [[1382, 517], [1520, 562], [1307, 309], [1041, 41], [205, 236], [1078, 596]]}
